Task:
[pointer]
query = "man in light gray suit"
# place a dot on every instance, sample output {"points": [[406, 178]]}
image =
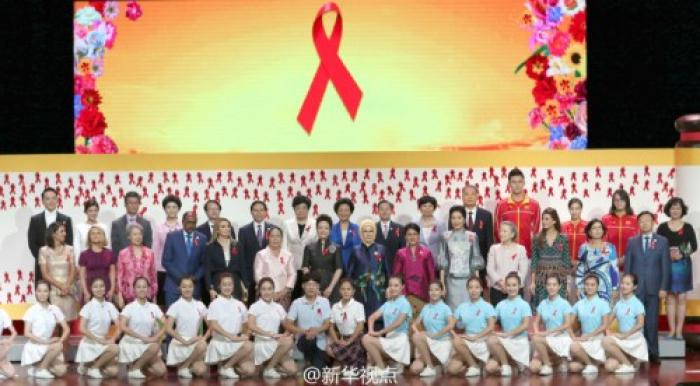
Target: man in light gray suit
{"points": [[647, 256], [132, 202]]}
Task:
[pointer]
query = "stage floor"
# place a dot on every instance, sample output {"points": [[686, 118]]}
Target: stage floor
{"points": [[670, 372]]}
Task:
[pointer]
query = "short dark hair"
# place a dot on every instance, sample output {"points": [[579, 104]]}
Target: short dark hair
{"points": [[590, 224], [380, 203], [592, 276], [301, 199], [515, 172], [324, 218], [258, 202], [474, 278], [187, 277], [264, 280], [437, 282], [675, 201], [553, 276], [413, 226], [131, 194], [311, 276], [148, 282], [460, 209], [47, 190], [645, 213], [427, 200], [513, 275], [574, 200], [171, 198], [624, 196], [206, 204], [346, 280], [344, 201], [188, 213], [89, 204], [224, 275], [635, 280]]}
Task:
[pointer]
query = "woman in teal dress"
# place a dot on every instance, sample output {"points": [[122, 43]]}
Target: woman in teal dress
{"points": [[598, 257], [550, 256]]}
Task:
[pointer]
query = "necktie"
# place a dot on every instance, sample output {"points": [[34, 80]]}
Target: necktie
{"points": [[258, 234], [385, 230], [646, 243], [188, 242], [470, 222]]}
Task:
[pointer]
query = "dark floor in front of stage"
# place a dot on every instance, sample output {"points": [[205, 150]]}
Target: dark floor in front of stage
{"points": [[670, 372]]}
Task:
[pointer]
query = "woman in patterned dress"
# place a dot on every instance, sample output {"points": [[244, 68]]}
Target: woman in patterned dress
{"points": [[550, 255], [598, 257]]}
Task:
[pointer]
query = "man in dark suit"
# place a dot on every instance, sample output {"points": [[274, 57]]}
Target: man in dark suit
{"points": [[647, 256], [389, 233], [253, 237], [36, 234], [119, 240], [212, 208], [182, 256], [479, 221]]}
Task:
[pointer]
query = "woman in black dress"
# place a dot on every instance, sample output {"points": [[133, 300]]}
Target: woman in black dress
{"points": [[223, 254], [682, 242], [323, 257]]}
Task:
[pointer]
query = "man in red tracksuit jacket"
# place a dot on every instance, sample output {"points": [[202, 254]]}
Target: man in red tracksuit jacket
{"points": [[521, 210]]}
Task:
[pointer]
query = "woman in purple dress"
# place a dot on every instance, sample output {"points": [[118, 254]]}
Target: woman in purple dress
{"points": [[97, 261]]}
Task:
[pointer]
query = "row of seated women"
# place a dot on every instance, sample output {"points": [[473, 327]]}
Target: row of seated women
{"points": [[464, 342]]}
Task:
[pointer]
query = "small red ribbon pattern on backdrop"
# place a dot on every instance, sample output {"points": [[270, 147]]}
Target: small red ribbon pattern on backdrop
{"points": [[330, 68]]}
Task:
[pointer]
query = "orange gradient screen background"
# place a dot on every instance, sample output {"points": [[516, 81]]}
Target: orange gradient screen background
{"points": [[225, 76]]}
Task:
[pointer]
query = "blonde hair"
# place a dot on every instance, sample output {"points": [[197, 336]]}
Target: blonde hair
{"points": [[215, 231], [102, 243], [368, 222]]}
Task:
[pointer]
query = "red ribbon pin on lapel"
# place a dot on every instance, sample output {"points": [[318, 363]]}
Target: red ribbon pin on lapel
{"points": [[330, 68]]}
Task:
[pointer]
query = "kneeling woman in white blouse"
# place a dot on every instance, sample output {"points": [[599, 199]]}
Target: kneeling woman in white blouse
{"points": [[272, 349], [229, 347], [97, 352], [43, 353], [143, 324], [185, 319]]}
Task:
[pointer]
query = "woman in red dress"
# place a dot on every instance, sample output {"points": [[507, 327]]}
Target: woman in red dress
{"points": [[621, 223]]}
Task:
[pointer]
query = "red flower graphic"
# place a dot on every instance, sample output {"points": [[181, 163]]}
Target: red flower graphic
{"points": [[543, 90], [91, 122]]}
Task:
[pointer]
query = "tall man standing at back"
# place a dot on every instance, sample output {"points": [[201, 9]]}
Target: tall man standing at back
{"points": [[132, 202], [253, 237], [648, 257], [518, 208], [36, 234], [479, 220]]}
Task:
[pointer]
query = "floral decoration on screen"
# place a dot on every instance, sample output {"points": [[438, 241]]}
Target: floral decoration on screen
{"points": [[557, 66], [94, 32]]}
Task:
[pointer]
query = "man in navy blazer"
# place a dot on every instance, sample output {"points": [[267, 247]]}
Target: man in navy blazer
{"points": [[647, 256], [252, 238], [182, 256], [389, 233]]}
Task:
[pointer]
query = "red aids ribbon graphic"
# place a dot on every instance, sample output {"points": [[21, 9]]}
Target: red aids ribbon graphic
{"points": [[330, 68]]}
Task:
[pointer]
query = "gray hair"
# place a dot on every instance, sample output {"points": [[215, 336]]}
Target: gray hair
{"points": [[133, 226], [512, 227]]}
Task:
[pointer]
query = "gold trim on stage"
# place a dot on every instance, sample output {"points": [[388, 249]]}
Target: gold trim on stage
{"points": [[415, 159]]}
